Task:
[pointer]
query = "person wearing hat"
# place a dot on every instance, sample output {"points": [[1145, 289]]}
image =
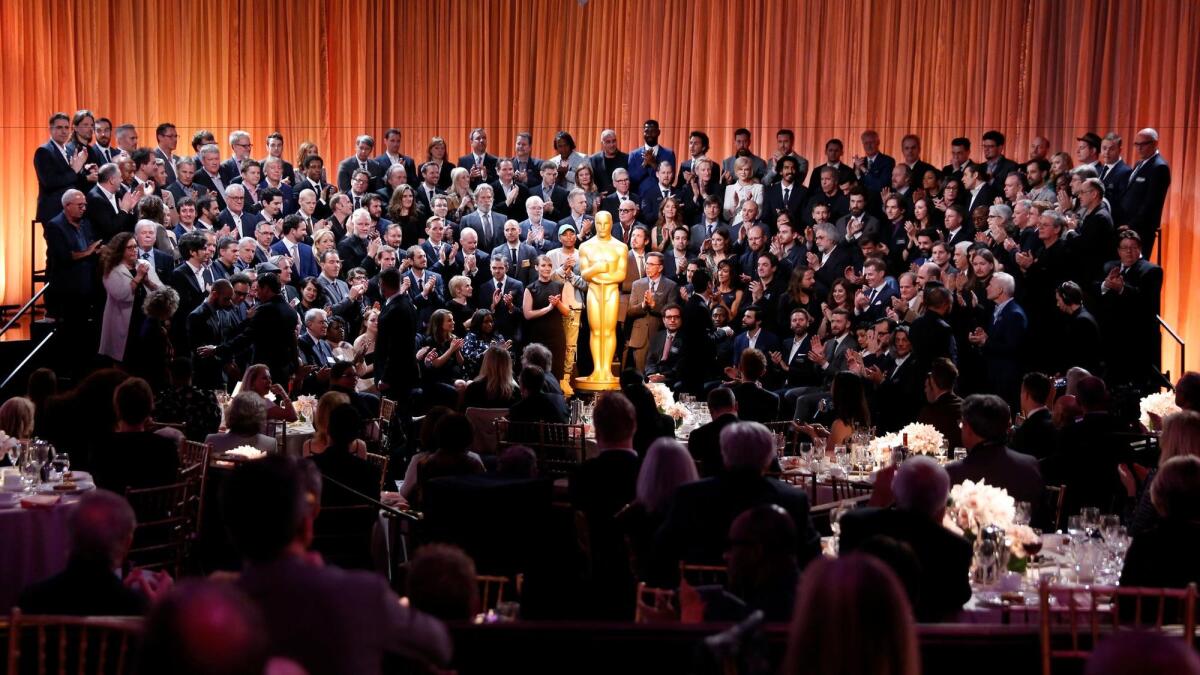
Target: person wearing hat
{"points": [[1088, 150], [289, 293], [566, 270]]}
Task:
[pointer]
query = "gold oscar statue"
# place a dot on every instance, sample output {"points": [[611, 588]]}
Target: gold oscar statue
{"points": [[602, 261]]}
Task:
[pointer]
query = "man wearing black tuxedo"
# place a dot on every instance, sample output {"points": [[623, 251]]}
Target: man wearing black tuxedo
{"points": [[704, 443], [620, 192], [520, 258], [479, 164], [960, 158], [554, 198], [787, 195], [311, 180], [271, 333], [503, 295], [392, 156], [361, 160], [108, 213], [830, 258], [57, 170], [1095, 236], [209, 174], [910, 152], [1037, 435], [1129, 303], [192, 280], [510, 193], [395, 365], [756, 403], [994, 162], [1142, 201], [833, 159], [167, 138], [959, 227], [1113, 172], [827, 193], [608, 159], [873, 168], [975, 182], [791, 362], [931, 336]]}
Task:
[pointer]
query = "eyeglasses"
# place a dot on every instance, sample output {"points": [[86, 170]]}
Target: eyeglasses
{"points": [[626, 210], [244, 146]]}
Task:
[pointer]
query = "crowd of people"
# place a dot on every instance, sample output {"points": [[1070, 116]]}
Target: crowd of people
{"points": [[1010, 305]]}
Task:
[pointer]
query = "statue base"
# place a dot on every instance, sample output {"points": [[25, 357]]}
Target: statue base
{"points": [[588, 384]]}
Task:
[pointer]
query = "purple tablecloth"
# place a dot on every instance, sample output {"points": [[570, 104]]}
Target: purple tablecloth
{"points": [[33, 545]]}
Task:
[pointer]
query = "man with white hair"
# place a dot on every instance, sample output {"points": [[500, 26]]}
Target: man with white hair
{"points": [[699, 518], [315, 351], [71, 260], [1144, 195], [235, 216], [537, 230], [830, 259], [470, 261], [361, 160], [209, 172], [161, 264], [239, 143], [1003, 342], [621, 191], [109, 211], [359, 246], [921, 488]]}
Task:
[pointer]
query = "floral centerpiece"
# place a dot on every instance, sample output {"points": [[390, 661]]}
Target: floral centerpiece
{"points": [[974, 506], [305, 407], [1159, 405], [246, 452], [664, 400], [923, 439]]}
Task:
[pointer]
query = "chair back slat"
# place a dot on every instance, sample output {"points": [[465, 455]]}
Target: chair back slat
{"points": [[164, 525], [560, 448], [655, 605], [491, 590], [70, 644], [379, 462], [703, 575]]}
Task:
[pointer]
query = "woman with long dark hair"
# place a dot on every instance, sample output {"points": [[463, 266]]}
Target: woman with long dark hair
{"points": [[126, 281], [849, 411]]}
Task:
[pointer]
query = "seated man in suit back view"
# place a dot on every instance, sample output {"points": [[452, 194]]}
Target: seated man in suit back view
{"points": [[756, 403], [342, 621], [984, 432], [921, 488]]}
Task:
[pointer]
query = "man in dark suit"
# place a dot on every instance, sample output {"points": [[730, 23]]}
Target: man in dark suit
{"points": [[994, 162], [345, 621], [210, 324], [209, 173], [241, 222], [361, 160], [270, 333], [793, 367], [943, 408], [698, 334], [108, 210], [1003, 342], [540, 400], [1113, 172], [71, 259], [1142, 201], [899, 391], [134, 456], [831, 357], [985, 424], [664, 357], [1095, 237], [101, 527], [842, 173], [1089, 453], [921, 488], [479, 164], [788, 195], [520, 258], [391, 155], [755, 403], [932, 337], [1129, 300], [505, 305], [606, 161], [486, 222], [396, 343], [620, 192], [1037, 435], [1081, 343], [873, 300], [57, 170], [697, 522], [185, 185], [755, 336], [510, 193], [167, 137], [554, 198], [191, 279], [145, 233], [873, 168], [231, 169], [960, 158], [704, 442], [600, 488], [979, 191], [959, 227], [830, 259]]}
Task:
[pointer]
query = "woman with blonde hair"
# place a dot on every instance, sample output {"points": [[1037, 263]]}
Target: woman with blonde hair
{"points": [[494, 387], [257, 379], [856, 595], [1180, 437], [16, 418], [459, 197], [323, 240], [436, 152], [320, 438], [743, 189], [668, 465]]}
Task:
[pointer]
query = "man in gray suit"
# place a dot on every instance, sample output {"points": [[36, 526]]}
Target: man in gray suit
{"points": [[327, 619], [647, 299], [488, 224], [831, 357]]}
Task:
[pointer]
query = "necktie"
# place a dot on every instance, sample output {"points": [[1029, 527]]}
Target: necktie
{"points": [[874, 292], [362, 166], [1103, 170], [666, 193], [513, 254], [666, 352], [787, 192], [653, 287], [357, 202], [145, 256], [640, 266]]}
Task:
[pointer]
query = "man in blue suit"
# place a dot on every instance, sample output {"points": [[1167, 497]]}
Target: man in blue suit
{"points": [[754, 337], [644, 161], [478, 163], [1004, 339], [292, 245], [1146, 191], [239, 142], [235, 216], [874, 299], [874, 169], [1113, 172]]}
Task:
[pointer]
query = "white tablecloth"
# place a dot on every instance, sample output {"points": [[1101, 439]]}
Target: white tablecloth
{"points": [[34, 545], [296, 435]]}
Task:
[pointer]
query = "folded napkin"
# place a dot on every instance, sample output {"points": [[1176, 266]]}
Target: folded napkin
{"points": [[837, 472], [40, 501]]}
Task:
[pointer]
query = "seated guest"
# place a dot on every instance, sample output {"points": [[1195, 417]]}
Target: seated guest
{"points": [[1168, 556], [427, 444], [1036, 436], [483, 334], [343, 622], [600, 488], [245, 419], [921, 488], [651, 424], [1145, 653], [849, 410], [756, 403], [535, 405], [667, 466], [207, 627], [1180, 437], [943, 408], [1089, 452], [853, 595], [1187, 391], [320, 421], [763, 574], [494, 386], [344, 380], [101, 529], [704, 441], [16, 420], [338, 461], [441, 582], [985, 420], [134, 457], [536, 354], [257, 380], [453, 434], [182, 402], [698, 520]]}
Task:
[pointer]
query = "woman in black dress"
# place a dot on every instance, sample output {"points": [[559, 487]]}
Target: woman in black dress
{"points": [[460, 303], [441, 360], [542, 298]]}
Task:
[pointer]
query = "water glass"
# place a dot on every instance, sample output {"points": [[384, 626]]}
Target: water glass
{"points": [[1022, 515], [61, 464], [960, 453], [1090, 517]]}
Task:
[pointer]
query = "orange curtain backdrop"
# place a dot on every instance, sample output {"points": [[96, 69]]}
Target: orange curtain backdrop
{"points": [[327, 70]]}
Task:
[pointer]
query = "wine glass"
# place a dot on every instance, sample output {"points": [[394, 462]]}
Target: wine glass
{"points": [[960, 454], [1033, 546], [1090, 517], [31, 471], [1076, 529]]}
